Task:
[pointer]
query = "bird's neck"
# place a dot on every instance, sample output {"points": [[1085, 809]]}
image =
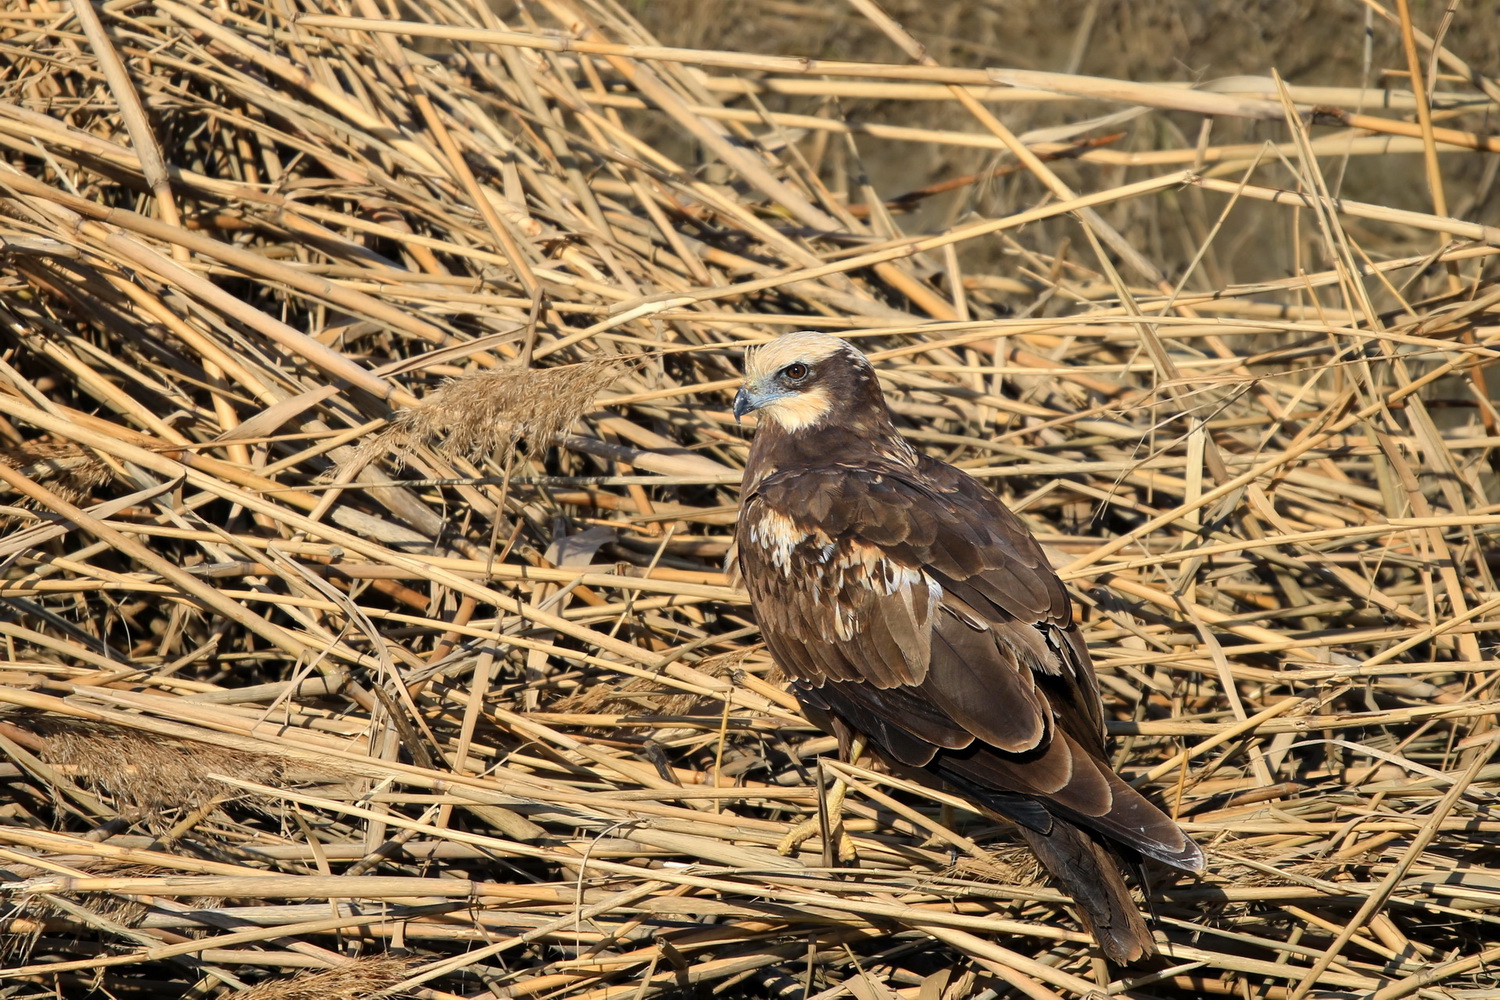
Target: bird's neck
{"points": [[871, 439]]}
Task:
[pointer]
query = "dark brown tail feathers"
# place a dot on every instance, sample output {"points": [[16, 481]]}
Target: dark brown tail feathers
{"points": [[1088, 873]]}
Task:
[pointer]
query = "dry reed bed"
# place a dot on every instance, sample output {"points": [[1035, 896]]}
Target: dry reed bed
{"points": [[304, 674]]}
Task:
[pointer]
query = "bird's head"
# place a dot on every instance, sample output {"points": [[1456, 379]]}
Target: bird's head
{"points": [[801, 380]]}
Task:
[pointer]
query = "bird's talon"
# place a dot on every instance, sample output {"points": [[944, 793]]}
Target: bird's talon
{"points": [[799, 835], [812, 827], [848, 856]]}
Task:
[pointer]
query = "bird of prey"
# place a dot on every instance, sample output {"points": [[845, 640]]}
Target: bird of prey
{"points": [[916, 615]]}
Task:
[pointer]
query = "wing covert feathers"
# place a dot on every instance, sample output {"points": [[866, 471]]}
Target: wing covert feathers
{"points": [[909, 605]]}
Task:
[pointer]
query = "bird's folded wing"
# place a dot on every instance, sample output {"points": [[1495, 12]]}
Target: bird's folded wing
{"points": [[1032, 789], [920, 611], [874, 575]]}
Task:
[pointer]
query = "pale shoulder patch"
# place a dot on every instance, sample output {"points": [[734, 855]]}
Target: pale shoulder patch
{"points": [[776, 535], [845, 591]]}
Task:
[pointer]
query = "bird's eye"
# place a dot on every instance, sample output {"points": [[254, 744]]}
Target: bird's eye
{"points": [[795, 372]]}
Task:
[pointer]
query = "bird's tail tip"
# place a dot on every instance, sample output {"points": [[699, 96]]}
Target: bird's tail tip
{"points": [[1088, 874]]}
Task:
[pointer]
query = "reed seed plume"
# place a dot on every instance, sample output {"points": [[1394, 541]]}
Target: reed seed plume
{"points": [[67, 469], [149, 778], [358, 979], [491, 413]]}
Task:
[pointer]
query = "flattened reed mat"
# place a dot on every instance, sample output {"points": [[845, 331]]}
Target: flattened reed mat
{"points": [[369, 477]]}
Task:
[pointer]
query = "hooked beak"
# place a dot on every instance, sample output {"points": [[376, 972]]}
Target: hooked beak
{"points": [[749, 399], [744, 403]]}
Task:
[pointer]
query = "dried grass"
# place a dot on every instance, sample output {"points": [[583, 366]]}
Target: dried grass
{"points": [[1233, 357], [358, 979], [490, 413], [67, 469], [147, 778]]}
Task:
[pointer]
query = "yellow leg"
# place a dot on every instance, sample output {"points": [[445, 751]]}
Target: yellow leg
{"points": [[945, 820], [832, 811]]}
